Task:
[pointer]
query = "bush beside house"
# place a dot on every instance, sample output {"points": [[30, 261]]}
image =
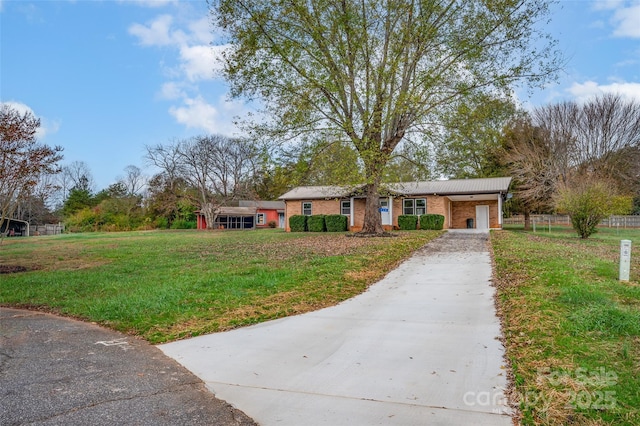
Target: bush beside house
{"points": [[316, 223], [335, 223], [407, 222], [298, 223], [433, 222]]}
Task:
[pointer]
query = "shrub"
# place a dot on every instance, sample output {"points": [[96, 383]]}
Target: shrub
{"points": [[432, 221], [408, 222], [183, 224], [315, 223], [587, 203], [335, 223], [298, 223], [272, 224]]}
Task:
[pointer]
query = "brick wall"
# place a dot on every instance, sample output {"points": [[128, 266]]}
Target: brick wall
{"points": [[294, 207], [462, 210]]}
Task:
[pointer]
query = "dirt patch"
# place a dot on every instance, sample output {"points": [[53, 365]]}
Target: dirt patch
{"points": [[12, 269]]}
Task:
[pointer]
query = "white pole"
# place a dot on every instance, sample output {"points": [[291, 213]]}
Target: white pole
{"points": [[625, 259]]}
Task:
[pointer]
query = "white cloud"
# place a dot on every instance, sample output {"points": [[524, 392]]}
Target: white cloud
{"points": [[47, 127], [197, 62], [157, 33], [149, 3], [607, 4], [172, 90], [197, 113], [627, 22], [201, 30], [588, 89]]}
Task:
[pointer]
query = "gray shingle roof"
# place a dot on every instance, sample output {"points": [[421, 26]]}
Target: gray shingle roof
{"points": [[439, 187], [268, 205]]}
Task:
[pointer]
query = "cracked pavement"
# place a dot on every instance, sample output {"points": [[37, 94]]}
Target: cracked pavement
{"points": [[58, 371]]}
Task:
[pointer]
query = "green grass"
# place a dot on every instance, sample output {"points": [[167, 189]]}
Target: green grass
{"points": [[572, 330], [174, 284]]}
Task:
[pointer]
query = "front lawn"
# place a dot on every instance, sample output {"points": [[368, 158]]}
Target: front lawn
{"points": [[572, 330], [169, 285]]}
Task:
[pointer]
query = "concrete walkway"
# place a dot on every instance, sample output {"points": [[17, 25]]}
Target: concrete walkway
{"points": [[420, 347]]}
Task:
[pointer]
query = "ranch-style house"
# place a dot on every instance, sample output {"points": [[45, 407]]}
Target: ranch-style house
{"points": [[464, 203]]}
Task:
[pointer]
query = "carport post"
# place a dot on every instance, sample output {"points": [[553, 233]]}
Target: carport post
{"points": [[625, 259]]}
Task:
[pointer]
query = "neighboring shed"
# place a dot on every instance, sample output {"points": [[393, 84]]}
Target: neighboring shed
{"points": [[248, 215], [465, 203], [15, 228], [266, 212]]}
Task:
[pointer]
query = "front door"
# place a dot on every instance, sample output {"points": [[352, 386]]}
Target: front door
{"points": [[385, 213], [482, 217]]}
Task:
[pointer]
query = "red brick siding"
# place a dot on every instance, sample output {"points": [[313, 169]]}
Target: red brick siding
{"points": [[462, 210]]}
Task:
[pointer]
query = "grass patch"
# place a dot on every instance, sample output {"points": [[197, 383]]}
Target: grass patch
{"points": [[572, 330], [173, 284]]}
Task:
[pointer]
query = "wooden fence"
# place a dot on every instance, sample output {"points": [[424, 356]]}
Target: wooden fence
{"points": [[49, 229], [556, 219]]}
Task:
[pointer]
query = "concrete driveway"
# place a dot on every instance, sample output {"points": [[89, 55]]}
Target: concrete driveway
{"points": [[420, 347]]}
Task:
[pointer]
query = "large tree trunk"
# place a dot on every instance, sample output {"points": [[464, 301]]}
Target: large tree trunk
{"points": [[210, 212], [527, 220], [372, 219]]}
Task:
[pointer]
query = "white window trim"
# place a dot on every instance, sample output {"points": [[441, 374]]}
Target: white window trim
{"points": [[342, 208], [264, 219], [310, 208], [414, 207]]}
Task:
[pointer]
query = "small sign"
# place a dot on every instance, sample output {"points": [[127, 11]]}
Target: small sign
{"points": [[384, 210], [625, 259]]}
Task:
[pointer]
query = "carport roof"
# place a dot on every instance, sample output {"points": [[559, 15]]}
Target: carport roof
{"points": [[438, 187]]}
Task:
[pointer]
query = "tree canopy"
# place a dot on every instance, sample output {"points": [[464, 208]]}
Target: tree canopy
{"points": [[371, 72], [566, 143], [23, 161]]}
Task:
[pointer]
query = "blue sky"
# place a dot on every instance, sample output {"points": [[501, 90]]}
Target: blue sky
{"points": [[109, 77]]}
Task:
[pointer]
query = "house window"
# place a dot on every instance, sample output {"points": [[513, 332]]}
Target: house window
{"points": [[416, 206], [306, 208], [261, 219], [345, 207]]}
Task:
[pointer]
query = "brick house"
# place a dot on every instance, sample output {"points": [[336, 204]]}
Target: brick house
{"points": [[464, 203]]}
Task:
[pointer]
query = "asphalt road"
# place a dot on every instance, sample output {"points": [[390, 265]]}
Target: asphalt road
{"points": [[58, 371]]}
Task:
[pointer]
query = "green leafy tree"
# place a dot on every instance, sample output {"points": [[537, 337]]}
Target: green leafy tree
{"points": [[411, 162], [473, 135], [370, 73], [77, 200], [588, 202]]}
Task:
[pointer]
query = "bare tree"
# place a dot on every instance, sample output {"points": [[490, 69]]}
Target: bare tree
{"points": [[220, 168], [562, 144], [529, 156], [165, 158], [22, 159], [133, 180], [75, 175]]}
